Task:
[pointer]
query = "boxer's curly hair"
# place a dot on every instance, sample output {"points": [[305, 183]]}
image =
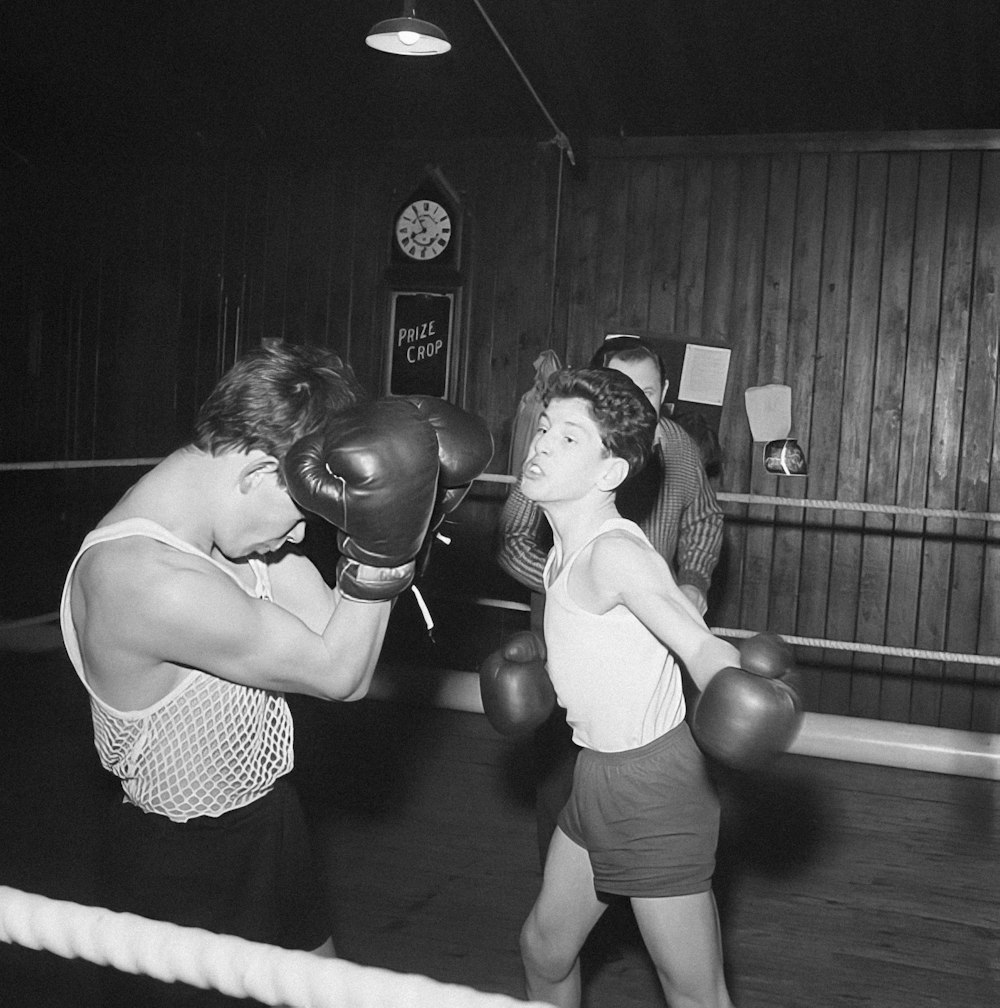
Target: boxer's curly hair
{"points": [[273, 396], [624, 416]]}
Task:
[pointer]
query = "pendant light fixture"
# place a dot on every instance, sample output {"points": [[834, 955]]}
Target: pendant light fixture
{"points": [[408, 35]]}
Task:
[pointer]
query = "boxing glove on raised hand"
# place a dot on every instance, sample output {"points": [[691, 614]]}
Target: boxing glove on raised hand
{"points": [[465, 447], [372, 472], [516, 691], [747, 717]]}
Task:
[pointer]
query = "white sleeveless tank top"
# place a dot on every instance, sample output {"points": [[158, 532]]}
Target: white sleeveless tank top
{"points": [[620, 686], [210, 745]]}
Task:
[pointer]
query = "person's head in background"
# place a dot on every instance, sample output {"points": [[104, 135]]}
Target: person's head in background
{"points": [[640, 362], [707, 441]]}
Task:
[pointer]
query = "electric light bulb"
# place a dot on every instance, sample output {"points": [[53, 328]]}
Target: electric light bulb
{"points": [[409, 37]]}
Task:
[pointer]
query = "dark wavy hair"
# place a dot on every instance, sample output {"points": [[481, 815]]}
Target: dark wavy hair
{"points": [[626, 348], [274, 395], [624, 417]]}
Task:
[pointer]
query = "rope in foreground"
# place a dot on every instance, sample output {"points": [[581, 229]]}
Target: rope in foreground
{"points": [[234, 966]]}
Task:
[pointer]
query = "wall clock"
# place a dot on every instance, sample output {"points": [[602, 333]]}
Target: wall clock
{"points": [[423, 230]]}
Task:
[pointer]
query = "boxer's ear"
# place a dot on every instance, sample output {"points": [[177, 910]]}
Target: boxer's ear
{"points": [[258, 467], [615, 473]]}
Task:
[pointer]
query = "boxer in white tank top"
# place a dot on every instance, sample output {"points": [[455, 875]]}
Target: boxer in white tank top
{"points": [[614, 621]]}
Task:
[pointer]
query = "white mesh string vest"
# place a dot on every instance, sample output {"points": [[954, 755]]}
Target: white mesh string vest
{"points": [[210, 745]]}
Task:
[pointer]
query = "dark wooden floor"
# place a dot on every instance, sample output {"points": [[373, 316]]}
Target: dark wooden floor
{"points": [[838, 884]]}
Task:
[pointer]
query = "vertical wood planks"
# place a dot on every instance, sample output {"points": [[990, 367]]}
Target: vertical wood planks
{"points": [[771, 360], [970, 701], [862, 275], [823, 444], [744, 335], [792, 573], [904, 600], [883, 448], [855, 419]]}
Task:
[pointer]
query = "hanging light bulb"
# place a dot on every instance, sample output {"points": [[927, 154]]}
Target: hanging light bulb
{"points": [[408, 36]]}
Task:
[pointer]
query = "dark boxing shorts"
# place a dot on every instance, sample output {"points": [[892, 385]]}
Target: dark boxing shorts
{"points": [[248, 872], [648, 817]]}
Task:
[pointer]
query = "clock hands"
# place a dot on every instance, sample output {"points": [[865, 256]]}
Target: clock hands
{"points": [[424, 230]]}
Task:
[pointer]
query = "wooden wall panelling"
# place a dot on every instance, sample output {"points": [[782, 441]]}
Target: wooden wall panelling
{"points": [[274, 245], [532, 262], [560, 185], [313, 224], [482, 253], [945, 446], [792, 573], [743, 337], [368, 198], [186, 257], [103, 231], [771, 361], [694, 250], [974, 418], [140, 355], [855, 418], [722, 268], [611, 184], [665, 219], [178, 214], [640, 242], [821, 417], [584, 234], [102, 305], [336, 286], [517, 318], [978, 433], [986, 701], [904, 602], [720, 256], [882, 459], [220, 229]]}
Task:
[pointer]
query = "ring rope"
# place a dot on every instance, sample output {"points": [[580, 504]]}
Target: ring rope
{"points": [[732, 498], [78, 464], [817, 642], [882, 649], [234, 966], [760, 499], [833, 505]]}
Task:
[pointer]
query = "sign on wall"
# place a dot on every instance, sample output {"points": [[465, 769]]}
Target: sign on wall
{"points": [[420, 351]]}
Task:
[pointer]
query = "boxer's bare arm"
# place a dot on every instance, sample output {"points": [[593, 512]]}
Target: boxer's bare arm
{"points": [[146, 614]]}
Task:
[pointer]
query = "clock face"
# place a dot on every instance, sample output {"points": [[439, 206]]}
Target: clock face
{"points": [[423, 230]]}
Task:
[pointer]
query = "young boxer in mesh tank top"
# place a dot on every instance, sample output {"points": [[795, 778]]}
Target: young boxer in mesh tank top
{"points": [[191, 610]]}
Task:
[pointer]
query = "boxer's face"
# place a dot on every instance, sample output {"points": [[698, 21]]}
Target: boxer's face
{"points": [[567, 458], [280, 520], [266, 517]]}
